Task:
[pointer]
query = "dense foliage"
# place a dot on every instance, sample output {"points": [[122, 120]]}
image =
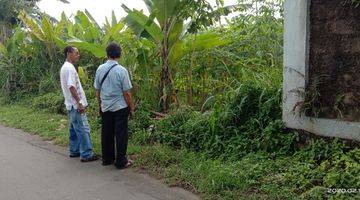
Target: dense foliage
{"points": [[224, 121]]}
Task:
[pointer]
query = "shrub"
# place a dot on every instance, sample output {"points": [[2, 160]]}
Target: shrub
{"points": [[53, 102], [249, 121]]}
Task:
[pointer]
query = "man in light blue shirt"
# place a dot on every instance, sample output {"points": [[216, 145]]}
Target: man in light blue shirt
{"points": [[117, 82], [113, 92]]}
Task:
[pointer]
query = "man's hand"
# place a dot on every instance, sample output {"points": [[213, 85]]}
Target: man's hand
{"points": [[81, 108], [74, 94], [132, 111], [128, 99], [100, 112]]}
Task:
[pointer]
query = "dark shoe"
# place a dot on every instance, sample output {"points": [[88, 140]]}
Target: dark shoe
{"points": [[128, 164], [89, 159], [74, 155], [106, 163]]}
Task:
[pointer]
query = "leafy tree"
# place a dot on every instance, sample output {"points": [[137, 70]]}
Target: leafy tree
{"points": [[9, 10], [166, 27]]}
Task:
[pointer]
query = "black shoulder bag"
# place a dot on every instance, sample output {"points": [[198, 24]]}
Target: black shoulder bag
{"points": [[102, 81]]}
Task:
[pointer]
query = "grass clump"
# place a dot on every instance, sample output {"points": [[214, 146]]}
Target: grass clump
{"points": [[249, 121], [52, 102]]}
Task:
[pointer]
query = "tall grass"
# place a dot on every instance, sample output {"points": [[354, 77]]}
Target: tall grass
{"points": [[228, 142]]}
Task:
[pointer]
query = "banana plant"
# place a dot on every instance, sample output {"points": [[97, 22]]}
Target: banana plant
{"points": [[91, 37], [87, 27], [46, 32], [10, 54], [167, 29], [84, 33]]}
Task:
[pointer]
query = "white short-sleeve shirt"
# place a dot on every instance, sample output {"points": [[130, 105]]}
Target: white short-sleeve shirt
{"points": [[69, 77]]}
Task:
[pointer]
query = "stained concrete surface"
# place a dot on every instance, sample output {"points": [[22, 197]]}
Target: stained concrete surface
{"points": [[32, 169]]}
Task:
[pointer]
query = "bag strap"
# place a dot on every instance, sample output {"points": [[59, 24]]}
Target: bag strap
{"points": [[107, 73]]}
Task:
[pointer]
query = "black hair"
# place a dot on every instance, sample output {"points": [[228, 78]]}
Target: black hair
{"points": [[68, 49], [113, 50]]}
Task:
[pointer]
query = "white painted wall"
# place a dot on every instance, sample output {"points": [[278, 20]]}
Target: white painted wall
{"points": [[295, 76]]}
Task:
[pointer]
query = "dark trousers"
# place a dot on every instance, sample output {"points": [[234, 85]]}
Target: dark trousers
{"points": [[114, 131]]}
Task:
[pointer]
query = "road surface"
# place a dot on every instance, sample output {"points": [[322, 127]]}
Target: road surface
{"points": [[32, 169]]}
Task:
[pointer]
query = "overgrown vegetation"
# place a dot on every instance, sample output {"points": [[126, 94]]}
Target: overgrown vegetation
{"points": [[356, 3], [223, 136]]}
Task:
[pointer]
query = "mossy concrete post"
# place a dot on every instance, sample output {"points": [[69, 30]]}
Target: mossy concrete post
{"points": [[296, 76]]}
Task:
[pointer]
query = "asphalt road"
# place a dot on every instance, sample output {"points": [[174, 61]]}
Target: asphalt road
{"points": [[32, 169]]}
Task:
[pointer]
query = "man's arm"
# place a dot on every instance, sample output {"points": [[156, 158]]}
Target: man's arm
{"points": [[126, 86], [128, 99], [97, 94], [74, 94]]}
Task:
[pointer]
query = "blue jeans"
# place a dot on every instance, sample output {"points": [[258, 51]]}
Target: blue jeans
{"points": [[80, 142]]}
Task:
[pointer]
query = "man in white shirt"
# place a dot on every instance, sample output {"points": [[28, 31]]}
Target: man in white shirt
{"points": [[75, 102]]}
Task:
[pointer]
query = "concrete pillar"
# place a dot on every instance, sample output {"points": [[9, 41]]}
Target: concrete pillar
{"points": [[296, 56]]}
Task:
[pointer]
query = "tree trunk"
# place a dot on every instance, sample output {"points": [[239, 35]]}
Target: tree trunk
{"points": [[189, 83], [190, 89], [10, 85], [166, 90], [166, 83], [4, 32]]}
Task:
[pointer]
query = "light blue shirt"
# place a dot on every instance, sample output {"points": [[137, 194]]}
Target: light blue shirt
{"points": [[117, 82]]}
